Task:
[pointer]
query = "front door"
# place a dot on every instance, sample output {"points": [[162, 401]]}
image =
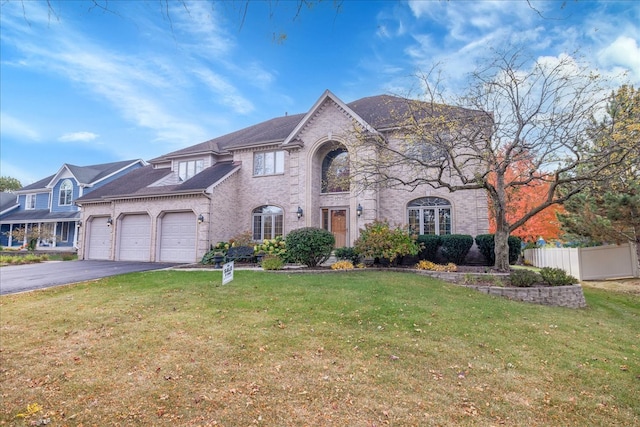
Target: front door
{"points": [[335, 220]]}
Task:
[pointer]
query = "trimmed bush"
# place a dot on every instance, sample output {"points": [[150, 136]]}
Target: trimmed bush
{"points": [[429, 244], [347, 254], [309, 246], [487, 246], [455, 247], [524, 278], [380, 240], [272, 262], [557, 277]]}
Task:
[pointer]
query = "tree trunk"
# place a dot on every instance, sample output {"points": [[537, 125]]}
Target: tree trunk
{"points": [[501, 237], [501, 242]]}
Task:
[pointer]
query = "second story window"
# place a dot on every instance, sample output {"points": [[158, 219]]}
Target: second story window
{"points": [[30, 201], [190, 168], [66, 193], [268, 163]]}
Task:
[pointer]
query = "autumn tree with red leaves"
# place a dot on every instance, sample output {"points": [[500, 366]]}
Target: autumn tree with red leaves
{"points": [[522, 199]]}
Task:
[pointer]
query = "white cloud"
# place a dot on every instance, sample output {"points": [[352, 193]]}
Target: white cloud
{"points": [[78, 137], [12, 126], [227, 93], [623, 52]]}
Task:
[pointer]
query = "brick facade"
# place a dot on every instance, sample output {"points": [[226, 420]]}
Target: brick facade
{"points": [[227, 204]]}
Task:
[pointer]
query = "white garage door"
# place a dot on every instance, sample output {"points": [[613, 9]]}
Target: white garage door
{"points": [[134, 238], [178, 237], [98, 239]]}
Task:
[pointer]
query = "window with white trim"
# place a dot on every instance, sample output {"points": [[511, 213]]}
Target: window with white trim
{"points": [[66, 193], [268, 163], [429, 215], [267, 222], [30, 201], [189, 168]]}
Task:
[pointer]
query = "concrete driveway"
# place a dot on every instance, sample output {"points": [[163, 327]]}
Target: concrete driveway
{"points": [[20, 278]]}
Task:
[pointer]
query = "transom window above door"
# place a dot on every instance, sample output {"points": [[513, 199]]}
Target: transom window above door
{"points": [[335, 171], [429, 215]]}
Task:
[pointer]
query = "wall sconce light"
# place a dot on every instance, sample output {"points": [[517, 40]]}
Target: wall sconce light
{"points": [[200, 219], [299, 212], [359, 210], [79, 223], [109, 222]]}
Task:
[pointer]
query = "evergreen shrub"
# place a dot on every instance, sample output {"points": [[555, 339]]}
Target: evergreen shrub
{"points": [[429, 244], [455, 247], [348, 254], [487, 246], [557, 277], [309, 246], [524, 278]]}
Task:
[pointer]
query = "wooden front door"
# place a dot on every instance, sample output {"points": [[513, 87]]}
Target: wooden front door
{"points": [[335, 220]]}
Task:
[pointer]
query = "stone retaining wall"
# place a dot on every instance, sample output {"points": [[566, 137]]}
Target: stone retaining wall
{"points": [[563, 296]]}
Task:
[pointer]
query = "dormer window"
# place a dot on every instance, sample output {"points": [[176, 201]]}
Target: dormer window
{"points": [[30, 201], [189, 168], [66, 193]]}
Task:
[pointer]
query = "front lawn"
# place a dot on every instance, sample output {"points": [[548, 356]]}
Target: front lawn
{"points": [[360, 348]]}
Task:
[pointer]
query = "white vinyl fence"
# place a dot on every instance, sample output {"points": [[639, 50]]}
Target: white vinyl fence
{"points": [[596, 263]]}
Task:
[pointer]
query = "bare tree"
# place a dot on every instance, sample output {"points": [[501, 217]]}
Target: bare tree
{"points": [[516, 111]]}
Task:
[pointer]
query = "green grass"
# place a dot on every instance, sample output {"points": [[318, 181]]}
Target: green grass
{"points": [[360, 349]]}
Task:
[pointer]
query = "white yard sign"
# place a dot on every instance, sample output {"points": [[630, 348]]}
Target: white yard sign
{"points": [[227, 273]]}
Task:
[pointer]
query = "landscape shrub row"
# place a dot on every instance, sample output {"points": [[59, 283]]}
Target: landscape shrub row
{"points": [[379, 240]]}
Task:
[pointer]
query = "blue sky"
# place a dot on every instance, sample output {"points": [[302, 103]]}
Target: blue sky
{"points": [[82, 85]]}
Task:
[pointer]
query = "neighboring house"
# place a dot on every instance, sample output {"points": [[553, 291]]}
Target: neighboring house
{"points": [[47, 208], [8, 202], [269, 179]]}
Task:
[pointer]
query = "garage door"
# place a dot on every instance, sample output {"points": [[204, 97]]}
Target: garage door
{"points": [[178, 237], [98, 239], [134, 238]]}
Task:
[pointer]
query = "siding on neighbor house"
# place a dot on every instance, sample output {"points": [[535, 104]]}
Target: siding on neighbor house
{"points": [[55, 196], [42, 201]]}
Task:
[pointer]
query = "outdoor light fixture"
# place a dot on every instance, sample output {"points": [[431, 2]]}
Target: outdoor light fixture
{"points": [[200, 219], [359, 210], [79, 223], [299, 212], [109, 222]]}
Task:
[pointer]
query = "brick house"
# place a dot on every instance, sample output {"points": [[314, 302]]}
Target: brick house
{"points": [[270, 178]]}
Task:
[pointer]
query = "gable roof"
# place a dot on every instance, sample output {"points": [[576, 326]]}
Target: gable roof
{"points": [[375, 113], [139, 183], [84, 175]]}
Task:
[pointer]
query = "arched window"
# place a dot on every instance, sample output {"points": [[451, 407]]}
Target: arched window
{"points": [[335, 171], [66, 193], [429, 215], [267, 222]]}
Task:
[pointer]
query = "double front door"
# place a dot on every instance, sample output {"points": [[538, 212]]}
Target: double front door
{"points": [[336, 221]]}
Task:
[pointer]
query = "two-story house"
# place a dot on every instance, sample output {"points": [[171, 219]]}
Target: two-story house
{"points": [[46, 210], [285, 173]]}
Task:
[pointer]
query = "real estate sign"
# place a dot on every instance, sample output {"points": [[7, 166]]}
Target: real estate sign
{"points": [[227, 273]]}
